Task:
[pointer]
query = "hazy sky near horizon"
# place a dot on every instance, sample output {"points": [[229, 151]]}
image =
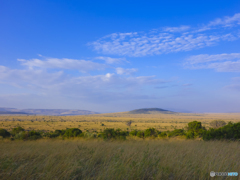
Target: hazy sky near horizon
{"points": [[112, 56]]}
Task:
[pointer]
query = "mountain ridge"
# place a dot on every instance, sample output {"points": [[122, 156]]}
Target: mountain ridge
{"points": [[52, 112], [150, 111]]}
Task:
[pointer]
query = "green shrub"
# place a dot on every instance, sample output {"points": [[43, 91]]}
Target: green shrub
{"points": [[176, 132], [17, 130], [51, 135], [140, 134], [59, 132], [195, 129], [229, 131], [33, 135], [190, 134], [150, 132], [110, 133], [4, 133], [194, 126], [28, 135], [72, 132], [54, 134], [133, 133], [162, 134]]}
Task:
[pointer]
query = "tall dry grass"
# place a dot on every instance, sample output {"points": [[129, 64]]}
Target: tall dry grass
{"points": [[132, 159]]}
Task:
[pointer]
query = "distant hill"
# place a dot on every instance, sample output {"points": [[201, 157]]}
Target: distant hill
{"points": [[9, 112], [50, 112], [150, 111]]}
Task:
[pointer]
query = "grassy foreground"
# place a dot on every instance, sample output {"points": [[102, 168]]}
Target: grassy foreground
{"points": [[131, 159]]}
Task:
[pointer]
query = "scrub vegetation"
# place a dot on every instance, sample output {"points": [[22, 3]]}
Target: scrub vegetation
{"points": [[132, 159], [189, 150]]}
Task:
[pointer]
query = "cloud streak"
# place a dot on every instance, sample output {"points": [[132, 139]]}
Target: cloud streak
{"points": [[219, 62], [122, 71], [168, 39], [64, 63], [110, 60]]}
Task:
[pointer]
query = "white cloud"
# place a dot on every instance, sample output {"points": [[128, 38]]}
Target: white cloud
{"points": [[121, 71], [202, 58], [64, 63], [227, 66], [219, 62], [30, 78], [110, 60], [90, 87], [226, 21], [176, 29], [166, 40]]}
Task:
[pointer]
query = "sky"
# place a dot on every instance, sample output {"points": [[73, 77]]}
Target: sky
{"points": [[113, 56]]}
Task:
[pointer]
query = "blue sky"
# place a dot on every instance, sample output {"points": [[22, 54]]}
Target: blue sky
{"points": [[117, 56]]}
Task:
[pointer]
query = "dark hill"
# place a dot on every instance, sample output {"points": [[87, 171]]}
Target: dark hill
{"points": [[150, 111], [50, 112], [9, 112]]}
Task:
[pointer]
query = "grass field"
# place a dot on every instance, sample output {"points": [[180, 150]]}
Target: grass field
{"points": [[97, 122], [133, 159]]}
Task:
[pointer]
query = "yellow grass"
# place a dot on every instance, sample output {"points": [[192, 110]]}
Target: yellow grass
{"points": [[161, 122], [133, 159]]}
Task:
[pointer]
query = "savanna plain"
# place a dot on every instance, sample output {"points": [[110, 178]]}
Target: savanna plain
{"points": [[131, 158]]}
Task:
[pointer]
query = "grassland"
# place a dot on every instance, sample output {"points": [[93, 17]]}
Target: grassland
{"points": [[135, 158], [97, 122], [103, 160]]}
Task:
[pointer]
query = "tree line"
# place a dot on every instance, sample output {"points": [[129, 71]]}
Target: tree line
{"points": [[219, 131]]}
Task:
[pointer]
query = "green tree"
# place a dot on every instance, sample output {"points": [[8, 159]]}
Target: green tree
{"points": [[195, 126], [110, 133], [4, 133], [17, 130], [162, 134], [150, 132], [72, 132], [140, 134], [176, 132], [133, 133]]}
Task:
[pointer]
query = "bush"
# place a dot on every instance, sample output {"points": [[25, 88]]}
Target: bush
{"points": [[150, 132], [176, 132], [51, 135], [190, 134], [59, 132], [133, 133], [195, 129], [17, 130], [229, 131], [4, 133], [110, 133], [194, 126], [25, 135], [72, 132], [33, 135], [162, 134], [217, 124], [54, 134], [140, 134]]}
